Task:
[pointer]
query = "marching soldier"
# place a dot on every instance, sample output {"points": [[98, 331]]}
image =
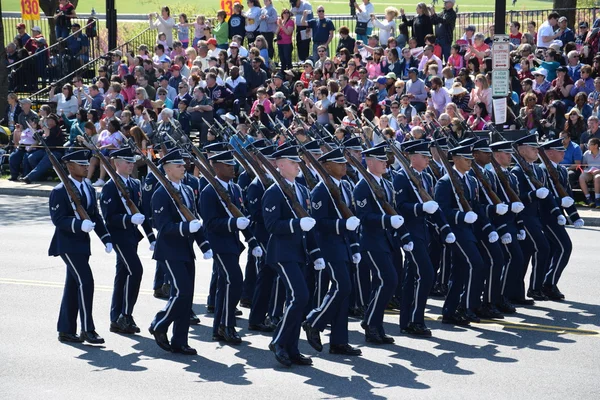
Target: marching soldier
{"points": [[123, 227], [222, 230], [289, 244], [174, 246], [377, 244], [339, 241], [71, 241]]}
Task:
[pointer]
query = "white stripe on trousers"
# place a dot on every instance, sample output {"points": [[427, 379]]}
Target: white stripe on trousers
{"points": [[362, 300], [126, 280], [468, 292], [444, 249], [174, 297], [374, 300], [416, 292], [319, 288], [277, 280], [491, 270], [562, 252], [287, 310], [327, 301], [534, 261], [228, 284], [506, 268], [85, 327]]}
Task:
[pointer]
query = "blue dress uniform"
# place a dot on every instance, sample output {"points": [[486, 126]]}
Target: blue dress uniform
{"points": [[174, 246], [419, 271], [287, 251], [123, 227], [338, 245], [466, 275], [377, 246], [535, 246], [222, 230], [512, 275], [269, 292], [72, 244], [561, 245]]}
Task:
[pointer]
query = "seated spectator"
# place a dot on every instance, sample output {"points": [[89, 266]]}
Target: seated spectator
{"points": [[479, 49], [78, 45], [23, 139], [183, 94], [74, 126], [532, 113], [109, 139], [591, 173], [479, 118], [575, 125], [572, 158], [148, 123], [141, 98], [38, 160], [592, 132], [65, 101], [183, 116]]}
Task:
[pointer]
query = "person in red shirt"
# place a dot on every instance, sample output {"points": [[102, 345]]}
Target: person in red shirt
{"points": [[307, 75], [515, 34], [525, 71]]}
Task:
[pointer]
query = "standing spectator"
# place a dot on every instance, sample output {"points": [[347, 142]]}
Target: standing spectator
{"points": [[66, 100], [12, 112], [164, 23], [183, 30], [22, 37], [268, 25], [566, 35], [445, 22], [221, 30], [546, 34], [364, 20], [322, 30], [421, 24], [63, 16], [515, 34], [252, 20], [78, 45], [302, 37], [237, 22], [387, 29], [285, 30]]}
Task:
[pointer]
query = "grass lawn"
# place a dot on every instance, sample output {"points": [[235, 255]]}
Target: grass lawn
{"points": [[209, 7]]}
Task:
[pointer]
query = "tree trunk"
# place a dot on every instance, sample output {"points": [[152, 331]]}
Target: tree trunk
{"points": [[567, 8], [49, 8], [3, 69]]}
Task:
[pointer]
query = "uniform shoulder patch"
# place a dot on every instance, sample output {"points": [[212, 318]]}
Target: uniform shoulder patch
{"points": [[147, 187], [159, 210], [253, 201], [267, 209], [55, 207], [398, 191], [361, 203], [107, 201], [317, 205]]}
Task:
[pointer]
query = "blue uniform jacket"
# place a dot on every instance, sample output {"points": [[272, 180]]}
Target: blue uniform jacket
{"points": [[527, 194], [512, 222], [287, 242], [68, 236], [118, 219], [335, 241], [489, 209], [254, 195], [151, 184], [220, 226], [563, 177], [243, 182]]}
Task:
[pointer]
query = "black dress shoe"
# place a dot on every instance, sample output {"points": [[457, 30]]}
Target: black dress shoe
{"points": [[436, 291], [387, 339], [522, 302], [551, 294], [313, 336], [246, 303], [238, 312], [132, 324], [216, 337], [456, 319], [159, 294], [416, 329], [194, 320], [69, 337], [558, 292], [274, 321], [187, 350], [300, 359], [91, 337], [394, 304], [261, 327], [506, 307], [470, 315], [13, 179], [344, 349], [210, 309], [355, 312], [487, 312], [537, 295], [372, 335], [161, 339], [281, 354], [121, 326], [229, 334]]}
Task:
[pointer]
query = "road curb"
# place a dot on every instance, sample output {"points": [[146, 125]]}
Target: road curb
{"points": [[25, 192]]}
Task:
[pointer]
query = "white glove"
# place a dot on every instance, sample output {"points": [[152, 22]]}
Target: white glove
{"points": [[506, 238], [137, 219], [517, 207], [578, 224], [108, 247], [408, 246], [542, 193], [493, 237], [356, 257], [307, 223], [319, 264], [450, 238], [470, 217], [430, 206], [561, 220], [352, 223], [195, 226], [567, 202], [208, 255], [257, 252], [152, 245], [242, 223], [501, 209], [87, 225], [396, 221], [521, 235]]}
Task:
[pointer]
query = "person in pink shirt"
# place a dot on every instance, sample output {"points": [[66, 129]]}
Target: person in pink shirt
{"points": [[456, 60], [479, 49], [263, 99], [479, 118]]}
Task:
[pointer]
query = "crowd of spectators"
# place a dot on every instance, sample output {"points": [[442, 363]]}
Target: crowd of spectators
{"points": [[400, 73]]}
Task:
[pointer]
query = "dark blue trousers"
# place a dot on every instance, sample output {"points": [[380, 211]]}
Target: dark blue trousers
{"points": [[361, 284], [17, 160], [383, 285], [288, 331], [399, 266], [229, 290], [466, 280], [493, 261], [160, 275], [128, 278], [417, 283], [334, 307], [537, 249], [178, 308], [78, 295], [269, 295], [212, 289], [560, 252], [512, 275], [250, 276]]}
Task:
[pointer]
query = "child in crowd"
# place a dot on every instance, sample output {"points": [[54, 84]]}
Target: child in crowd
{"points": [[183, 30], [161, 38], [456, 60]]}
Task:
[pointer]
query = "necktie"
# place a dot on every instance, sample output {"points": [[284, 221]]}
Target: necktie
{"points": [[83, 197], [343, 192], [230, 191], [130, 188]]}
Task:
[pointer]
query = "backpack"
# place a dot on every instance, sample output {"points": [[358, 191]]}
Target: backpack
{"points": [[91, 29]]}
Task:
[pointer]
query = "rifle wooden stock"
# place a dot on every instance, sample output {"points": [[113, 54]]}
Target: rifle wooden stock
{"points": [[486, 185], [560, 189], [251, 166], [505, 181], [435, 169]]}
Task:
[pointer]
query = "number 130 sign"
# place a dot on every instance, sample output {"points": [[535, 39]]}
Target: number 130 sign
{"points": [[30, 10]]}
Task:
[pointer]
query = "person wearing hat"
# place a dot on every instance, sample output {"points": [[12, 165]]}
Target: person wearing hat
{"points": [[174, 247], [339, 242], [291, 244], [377, 244], [540, 84], [122, 225], [22, 37], [71, 241], [419, 275], [222, 232], [560, 242]]}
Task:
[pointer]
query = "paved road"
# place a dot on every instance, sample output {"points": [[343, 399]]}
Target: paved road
{"points": [[549, 351]]}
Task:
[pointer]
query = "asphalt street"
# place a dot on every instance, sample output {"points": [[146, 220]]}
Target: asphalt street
{"points": [[548, 351]]}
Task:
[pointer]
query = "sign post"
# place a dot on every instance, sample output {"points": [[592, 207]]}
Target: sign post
{"points": [[500, 76]]}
